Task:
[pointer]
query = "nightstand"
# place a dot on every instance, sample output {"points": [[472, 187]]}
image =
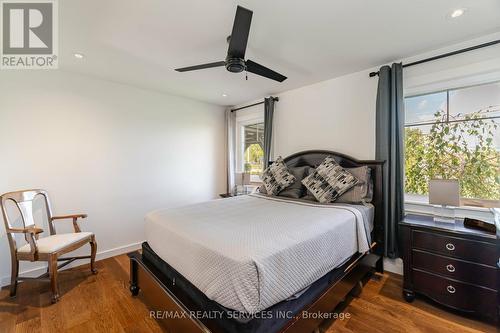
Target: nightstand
{"points": [[455, 266]]}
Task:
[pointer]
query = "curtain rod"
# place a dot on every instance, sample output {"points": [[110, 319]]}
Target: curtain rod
{"points": [[276, 99], [467, 49]]}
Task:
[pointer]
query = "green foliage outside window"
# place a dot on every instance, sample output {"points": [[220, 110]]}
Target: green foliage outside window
{"points": [[254, 156], [452, 149]]}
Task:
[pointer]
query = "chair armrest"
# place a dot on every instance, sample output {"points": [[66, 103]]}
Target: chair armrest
{"points": [[72, 216], [75, 217], [31, 230], [31, 236]]}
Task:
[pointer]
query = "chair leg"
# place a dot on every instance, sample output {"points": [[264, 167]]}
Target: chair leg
{"points": [[93, 251], [13, 277], [53, 278]]}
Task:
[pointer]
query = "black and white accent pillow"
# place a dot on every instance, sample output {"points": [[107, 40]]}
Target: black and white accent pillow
{"points": [[276, 177], [329, 181]]}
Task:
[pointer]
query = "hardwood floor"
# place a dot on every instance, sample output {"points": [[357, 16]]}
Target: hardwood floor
{"points": [[102, 303]]}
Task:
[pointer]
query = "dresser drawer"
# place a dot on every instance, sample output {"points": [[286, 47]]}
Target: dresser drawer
{"points": [[458, 295], [456, 269], [461, 248]]}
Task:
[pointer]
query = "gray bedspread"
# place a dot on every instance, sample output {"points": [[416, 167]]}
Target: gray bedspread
{"points": [[250, 252]]}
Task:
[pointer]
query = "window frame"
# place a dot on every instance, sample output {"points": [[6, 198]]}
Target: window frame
{"points": [[242, 120], [447, 91], [473, 203]]}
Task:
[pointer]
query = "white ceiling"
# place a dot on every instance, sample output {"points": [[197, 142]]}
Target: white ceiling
{"points": [[141, 42]]}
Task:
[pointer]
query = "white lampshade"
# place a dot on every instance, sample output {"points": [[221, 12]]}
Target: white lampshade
{"points": [[241, 178], [246, 179], [445, 192]]}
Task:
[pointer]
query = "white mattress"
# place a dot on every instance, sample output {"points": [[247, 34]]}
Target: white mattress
{"points": [[250, 252]]}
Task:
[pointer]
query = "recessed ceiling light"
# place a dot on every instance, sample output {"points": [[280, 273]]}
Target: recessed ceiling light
{"points": [[457, 12], [224, 95], [79, 55]]}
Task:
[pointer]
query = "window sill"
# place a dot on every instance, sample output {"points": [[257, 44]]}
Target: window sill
{"points": [[422, 207], [464, 207]]}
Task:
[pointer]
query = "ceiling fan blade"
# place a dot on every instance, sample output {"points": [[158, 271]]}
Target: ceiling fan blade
{"points": [[258, 69], [194, 68], [239, 36]]}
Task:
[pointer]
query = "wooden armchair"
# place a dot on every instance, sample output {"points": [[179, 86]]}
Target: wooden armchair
{"points": [[48, 248]]}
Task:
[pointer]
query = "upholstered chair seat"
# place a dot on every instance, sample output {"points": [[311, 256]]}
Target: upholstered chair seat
{"points": [[54, 243]]}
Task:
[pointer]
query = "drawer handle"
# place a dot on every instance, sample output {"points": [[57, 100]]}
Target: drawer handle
{"points": [[450, 268], [451, 289], [450, 247]]}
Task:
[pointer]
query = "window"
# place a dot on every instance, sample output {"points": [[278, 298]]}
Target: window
{"points": [[454, 134], [250, 142], [253, 150]]}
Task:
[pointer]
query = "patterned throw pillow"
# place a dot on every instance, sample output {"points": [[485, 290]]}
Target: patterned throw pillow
{"points": [[277, 177], [329, 181]]}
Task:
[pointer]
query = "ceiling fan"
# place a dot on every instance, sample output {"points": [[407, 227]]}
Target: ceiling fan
{"points": [[235, 60]]}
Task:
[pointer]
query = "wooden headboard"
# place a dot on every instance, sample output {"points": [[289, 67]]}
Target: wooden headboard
{"points": [[313, 158]]}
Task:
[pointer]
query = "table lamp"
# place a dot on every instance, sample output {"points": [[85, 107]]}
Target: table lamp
{"points": [[242, 179], [444, 194]]}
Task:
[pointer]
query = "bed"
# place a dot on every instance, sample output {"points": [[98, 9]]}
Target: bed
{"points": [[226, 263]]}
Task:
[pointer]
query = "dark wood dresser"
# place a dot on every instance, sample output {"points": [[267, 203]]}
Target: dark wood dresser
{"points": [[452, 265]]}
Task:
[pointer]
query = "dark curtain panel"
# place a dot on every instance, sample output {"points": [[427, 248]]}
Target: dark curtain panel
{"points": [[268, 128], [389, 148]]}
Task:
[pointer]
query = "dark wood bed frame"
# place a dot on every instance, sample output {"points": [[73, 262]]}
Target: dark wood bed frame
{"points": [[154, 285]]}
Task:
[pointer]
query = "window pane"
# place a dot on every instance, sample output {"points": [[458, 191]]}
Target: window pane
{"points": [[423, 109], [461, 150], [416, 159], [477, 101], [253, 150]]}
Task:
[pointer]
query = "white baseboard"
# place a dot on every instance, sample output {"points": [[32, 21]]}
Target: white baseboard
{"points": [[4, 281]]}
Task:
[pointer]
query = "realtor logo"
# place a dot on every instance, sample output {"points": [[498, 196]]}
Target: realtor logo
{"points": [[29, 34]]}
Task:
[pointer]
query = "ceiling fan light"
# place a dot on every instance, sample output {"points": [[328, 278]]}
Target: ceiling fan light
{"points": [[235, 65]]}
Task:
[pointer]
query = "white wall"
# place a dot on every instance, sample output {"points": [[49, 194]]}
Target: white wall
{"points": [[337, 114], [110, 150]]}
